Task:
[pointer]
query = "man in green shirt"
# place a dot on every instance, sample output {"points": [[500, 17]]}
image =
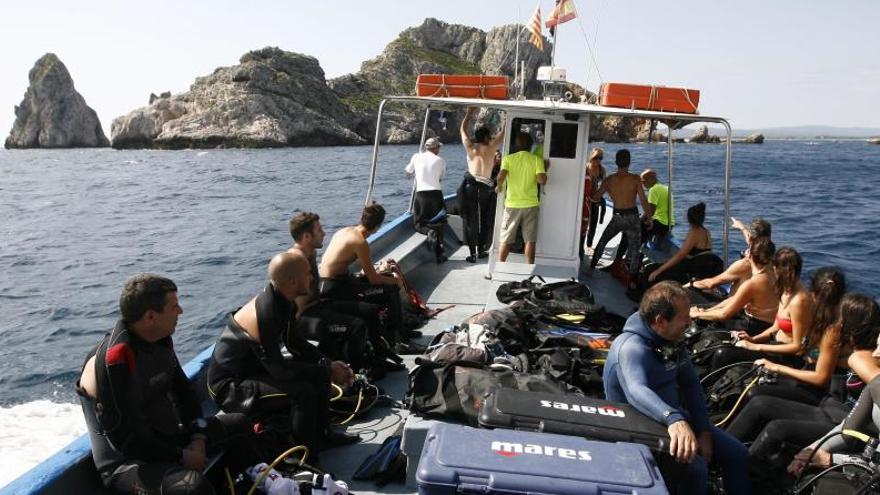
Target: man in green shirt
{"points": [[522, 171], [661, 213]]}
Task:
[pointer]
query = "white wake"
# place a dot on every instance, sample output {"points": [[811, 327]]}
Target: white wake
{"points": [[31, 432]]}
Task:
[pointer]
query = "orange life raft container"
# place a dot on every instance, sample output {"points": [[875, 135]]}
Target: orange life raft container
{"points": [[462, 85], [643, 97]]}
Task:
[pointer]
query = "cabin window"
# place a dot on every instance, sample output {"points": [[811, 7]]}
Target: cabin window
{"points": [[563, 140], [534, 128]]}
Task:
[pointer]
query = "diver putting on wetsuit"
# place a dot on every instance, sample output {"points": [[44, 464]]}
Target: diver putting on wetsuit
{"points": [[248, 373], [144, 423]]}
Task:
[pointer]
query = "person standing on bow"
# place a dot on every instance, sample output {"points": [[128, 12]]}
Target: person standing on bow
{"points": [[429, 169], [476, 195], [523, 171]]}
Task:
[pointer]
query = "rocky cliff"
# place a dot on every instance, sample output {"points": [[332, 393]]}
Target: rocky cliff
{"points": [[278, 98], [433, 47], [52, 114], [271, 98]]}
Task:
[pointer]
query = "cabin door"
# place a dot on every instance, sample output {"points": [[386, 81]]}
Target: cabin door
{"points": [[562, 196], [562, 143]]}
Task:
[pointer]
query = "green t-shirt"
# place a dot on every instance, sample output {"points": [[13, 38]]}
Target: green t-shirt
{"points": [[657, 196], [522, 179]]}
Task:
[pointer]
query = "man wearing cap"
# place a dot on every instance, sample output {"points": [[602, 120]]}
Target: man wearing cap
{"points": [[429, 168]]}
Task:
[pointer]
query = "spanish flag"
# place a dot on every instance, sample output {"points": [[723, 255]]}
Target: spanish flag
{"points": [[563, 12], [534, 27]]}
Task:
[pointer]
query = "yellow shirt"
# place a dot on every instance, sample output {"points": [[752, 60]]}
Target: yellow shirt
{"points": [[522, 179], [657, 196]]}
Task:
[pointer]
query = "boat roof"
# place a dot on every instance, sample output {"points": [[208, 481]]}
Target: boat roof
{"points": [[673, 119]]}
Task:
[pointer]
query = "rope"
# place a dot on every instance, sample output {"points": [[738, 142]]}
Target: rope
{"points": [[270, 467], [444, 86], [687, 96], [590, 48]]}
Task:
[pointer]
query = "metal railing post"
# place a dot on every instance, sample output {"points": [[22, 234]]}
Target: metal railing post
{"points": [[375, 160], [670, 216], [727, 164]]}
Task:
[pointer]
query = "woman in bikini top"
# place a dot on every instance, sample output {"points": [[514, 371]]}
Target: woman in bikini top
{"points": [[795, 313], [822, 343], [756, 297]]}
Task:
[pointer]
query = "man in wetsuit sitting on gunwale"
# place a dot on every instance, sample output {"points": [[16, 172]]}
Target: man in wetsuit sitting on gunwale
{"points": [[145, 425], [248, 373]]}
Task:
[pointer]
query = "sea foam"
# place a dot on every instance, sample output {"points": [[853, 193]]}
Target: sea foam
{"points": [[33, 431]]}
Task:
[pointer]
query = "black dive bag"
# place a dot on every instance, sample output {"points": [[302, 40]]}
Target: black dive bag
{"points": [[593, 419]]}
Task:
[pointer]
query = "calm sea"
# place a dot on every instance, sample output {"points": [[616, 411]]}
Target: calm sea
{"points": [[75, 224]]}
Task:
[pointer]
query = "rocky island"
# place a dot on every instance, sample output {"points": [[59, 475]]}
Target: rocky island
{"points": [[275, 98], [279, 98], [52, 113]]}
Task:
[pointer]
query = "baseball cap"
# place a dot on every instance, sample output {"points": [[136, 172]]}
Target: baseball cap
{"points": [[432, 143]]}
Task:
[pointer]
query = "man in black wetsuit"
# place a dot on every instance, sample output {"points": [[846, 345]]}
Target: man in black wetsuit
{"points": [[144, 423], [248, 374], [476, 195], [341, 327]]}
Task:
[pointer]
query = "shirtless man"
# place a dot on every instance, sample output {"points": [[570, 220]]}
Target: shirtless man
{"points": [[623, 187], [477, 191], [348, 245], [341, 327]]}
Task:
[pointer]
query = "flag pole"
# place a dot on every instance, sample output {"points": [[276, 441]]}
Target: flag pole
{"points": [[516, 61]]}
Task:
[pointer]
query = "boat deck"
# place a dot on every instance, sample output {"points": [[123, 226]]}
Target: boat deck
{"points": [[465, 285]]}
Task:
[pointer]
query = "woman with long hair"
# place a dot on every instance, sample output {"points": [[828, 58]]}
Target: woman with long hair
{"points": [[794, 316], [756, 298], [591, 210], [821, 345], [694, 259]]}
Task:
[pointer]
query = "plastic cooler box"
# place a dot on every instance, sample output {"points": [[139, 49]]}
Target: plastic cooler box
{"points": [[463, 460], [587, 417]]}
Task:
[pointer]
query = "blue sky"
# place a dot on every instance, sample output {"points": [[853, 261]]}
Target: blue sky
{"points": [[759, 63]]}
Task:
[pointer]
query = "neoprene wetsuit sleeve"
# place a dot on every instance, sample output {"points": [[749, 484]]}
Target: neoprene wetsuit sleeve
{"points": [[694, 398], [129, 432], [632, 371], [860, 416]]}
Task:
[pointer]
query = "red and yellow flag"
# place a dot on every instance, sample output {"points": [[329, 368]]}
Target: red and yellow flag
{"points": [[534, 27], [563, 12]]}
